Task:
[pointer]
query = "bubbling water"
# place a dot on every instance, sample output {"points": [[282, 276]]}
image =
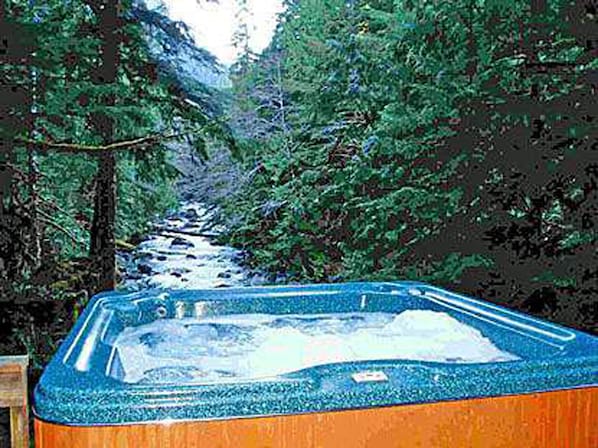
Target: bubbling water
{"points": [[253, 346]]}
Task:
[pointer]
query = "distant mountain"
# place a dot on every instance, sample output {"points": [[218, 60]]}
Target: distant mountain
{"points": [[173, 46]]}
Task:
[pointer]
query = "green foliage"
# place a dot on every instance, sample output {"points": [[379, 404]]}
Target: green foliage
{"points": [[140, 197], [58, 72], [428, 140]]}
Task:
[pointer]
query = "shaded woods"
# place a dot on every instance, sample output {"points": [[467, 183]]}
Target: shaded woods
{"points": [[452, 142]]}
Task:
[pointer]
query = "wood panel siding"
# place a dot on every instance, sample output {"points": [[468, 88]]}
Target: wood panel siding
{"points": [[560, 419]]}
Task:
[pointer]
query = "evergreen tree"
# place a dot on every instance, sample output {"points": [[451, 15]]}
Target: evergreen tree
{"points": [[448, 142], [92, 90], [102, 245]]}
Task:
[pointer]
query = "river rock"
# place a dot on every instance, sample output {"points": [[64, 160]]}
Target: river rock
{"points": [[257, 279], [143, 255], [136, 239], [238, 256], [180, 260], [190, 214], [168, 252], [280, 278], [178, 241], [144, 268]]}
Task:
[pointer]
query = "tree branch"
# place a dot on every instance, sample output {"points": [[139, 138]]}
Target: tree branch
{"points": [[61, 229], [122, 145]]}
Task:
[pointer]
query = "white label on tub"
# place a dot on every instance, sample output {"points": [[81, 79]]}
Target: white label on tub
{"points": [[369, 377]]}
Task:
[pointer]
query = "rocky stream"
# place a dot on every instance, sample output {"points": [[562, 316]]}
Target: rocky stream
{"points": [[182, 252]]}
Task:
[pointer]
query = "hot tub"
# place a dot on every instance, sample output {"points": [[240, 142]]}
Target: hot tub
{"points": [[396, 364]]}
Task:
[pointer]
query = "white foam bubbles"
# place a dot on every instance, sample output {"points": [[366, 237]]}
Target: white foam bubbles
{"points": [[255, 346]]}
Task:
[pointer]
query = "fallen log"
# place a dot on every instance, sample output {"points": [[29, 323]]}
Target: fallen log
{"points": [[167, 230]]}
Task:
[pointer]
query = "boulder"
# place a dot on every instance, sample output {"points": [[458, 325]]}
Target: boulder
{"points": [[190, 214], [144, 268], [178, 241]]}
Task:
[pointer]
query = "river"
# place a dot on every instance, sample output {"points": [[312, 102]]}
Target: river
{"points": [[181, 252]]}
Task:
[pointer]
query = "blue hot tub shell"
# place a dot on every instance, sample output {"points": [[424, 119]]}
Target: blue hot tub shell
{"points": [[79, 386]]}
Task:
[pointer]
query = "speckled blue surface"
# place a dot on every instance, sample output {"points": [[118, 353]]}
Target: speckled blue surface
{"points": [[77, 389]]}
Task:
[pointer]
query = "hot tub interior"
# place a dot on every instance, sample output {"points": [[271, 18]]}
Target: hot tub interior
{"points": [[254, 346], [185, 338]]}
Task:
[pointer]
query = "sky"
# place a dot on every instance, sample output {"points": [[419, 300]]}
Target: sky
{"points": [[213, 25]]}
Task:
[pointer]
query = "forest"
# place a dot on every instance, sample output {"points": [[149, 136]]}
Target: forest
{"points": [[450, 142], [447, 142]]}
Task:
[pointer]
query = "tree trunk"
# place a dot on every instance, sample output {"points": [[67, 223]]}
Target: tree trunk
{"points": [[102, 244], [102, 240], [34, 243]]}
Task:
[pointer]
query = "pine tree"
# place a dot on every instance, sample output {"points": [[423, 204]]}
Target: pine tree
{"points": [[98, 103], [102, 246], [448, 142], [19, 236]]}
